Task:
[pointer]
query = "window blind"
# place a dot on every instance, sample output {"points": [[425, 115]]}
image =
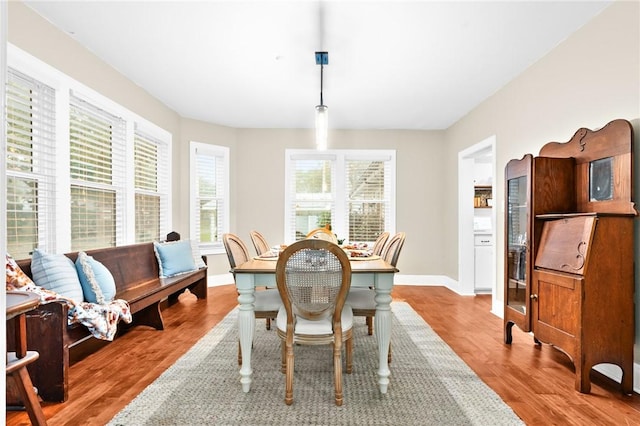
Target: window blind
{"points": [[353, 190], [313, 194], [367, 198], [151, 181], [30, 123], [97, 171], [70, 164], [210, 196]]}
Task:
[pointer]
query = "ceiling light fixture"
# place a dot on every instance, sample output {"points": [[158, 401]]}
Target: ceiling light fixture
{"points": [[322, 111]]}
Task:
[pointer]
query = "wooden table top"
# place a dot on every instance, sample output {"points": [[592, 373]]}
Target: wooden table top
{"points": [[19, 302], [259, 266]]}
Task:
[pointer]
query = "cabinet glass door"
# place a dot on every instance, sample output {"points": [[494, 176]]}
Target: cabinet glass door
{"points": [[517, 238]]}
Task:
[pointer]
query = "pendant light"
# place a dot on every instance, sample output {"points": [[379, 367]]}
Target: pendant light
{"points": [[322, 111]]}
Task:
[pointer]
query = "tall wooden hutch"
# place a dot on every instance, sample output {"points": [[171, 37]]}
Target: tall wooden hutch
{"points": [[569, 249]]}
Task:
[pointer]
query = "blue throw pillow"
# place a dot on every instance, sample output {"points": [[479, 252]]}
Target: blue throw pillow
{"points": [[174, 258], [57, 273], [97, 282]]}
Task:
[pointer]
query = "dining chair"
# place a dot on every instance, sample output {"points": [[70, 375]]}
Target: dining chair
{"points": [[362, 299], [267, 301], [259, 242], [313, 278], [323, 234], [378, 246]]}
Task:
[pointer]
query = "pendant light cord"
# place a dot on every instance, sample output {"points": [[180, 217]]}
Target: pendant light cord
{"points": [[321, 80]]}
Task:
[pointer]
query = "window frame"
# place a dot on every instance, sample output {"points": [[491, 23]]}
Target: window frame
{"points": [[65, 88], [196, 148], [340, 217]]}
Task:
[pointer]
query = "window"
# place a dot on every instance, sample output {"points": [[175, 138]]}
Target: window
{"points": [[150, 163], [349, 190], [30, 163], [82, 171], [368, 206], [209, 195], [312, 193], [97, 144]]}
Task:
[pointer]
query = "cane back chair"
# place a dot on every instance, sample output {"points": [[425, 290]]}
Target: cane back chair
{"points": [[313, 278]]}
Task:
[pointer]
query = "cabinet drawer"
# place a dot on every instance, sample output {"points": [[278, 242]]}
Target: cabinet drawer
{"points": [[483, 240]]}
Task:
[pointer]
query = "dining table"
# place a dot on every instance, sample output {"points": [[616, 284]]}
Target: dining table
{"points": [[365, 272]]}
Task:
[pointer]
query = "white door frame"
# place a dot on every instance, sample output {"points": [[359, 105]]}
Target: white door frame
{"points": [[3, 177], [465, 215]]}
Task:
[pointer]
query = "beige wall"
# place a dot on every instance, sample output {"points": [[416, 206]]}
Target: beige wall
{"points": [[259, 191], [31, 33]]}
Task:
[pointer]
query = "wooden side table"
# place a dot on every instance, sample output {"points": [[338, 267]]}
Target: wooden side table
{"points": [[18, 304]]}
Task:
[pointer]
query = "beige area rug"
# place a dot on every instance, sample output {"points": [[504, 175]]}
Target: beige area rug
{"points": [[430, 384]]}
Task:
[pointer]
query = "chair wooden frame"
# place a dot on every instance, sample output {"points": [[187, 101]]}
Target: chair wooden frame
{"points": [[392, 249], [380, 242], [323, 234], [259, 242], [331, 309], [362, 299]]}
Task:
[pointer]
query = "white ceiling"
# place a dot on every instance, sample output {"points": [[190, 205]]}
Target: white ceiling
{"points": [[250, 64]]}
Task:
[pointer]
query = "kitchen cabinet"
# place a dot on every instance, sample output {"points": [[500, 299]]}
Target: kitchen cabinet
{"points": [[569, 249], [483, 263], [483, 197]]}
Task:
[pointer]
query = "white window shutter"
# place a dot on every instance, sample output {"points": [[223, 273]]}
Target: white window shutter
{"points": [[97, 170], [210, 195], [31, 161], [151, 182], [353, 190]]}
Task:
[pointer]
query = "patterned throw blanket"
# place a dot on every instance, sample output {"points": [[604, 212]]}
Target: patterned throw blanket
{"points": [[101, 319]]}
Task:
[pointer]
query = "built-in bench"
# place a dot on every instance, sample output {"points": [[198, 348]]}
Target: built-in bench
{"points": [[135, 271]]}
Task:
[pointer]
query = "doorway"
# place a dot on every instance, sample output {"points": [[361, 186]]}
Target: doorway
{"points": [[477, 219]]}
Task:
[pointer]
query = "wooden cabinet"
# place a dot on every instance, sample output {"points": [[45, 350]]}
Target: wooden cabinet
{"points": [[534, 186], [518, 253], [582, 292], [569, 249]]}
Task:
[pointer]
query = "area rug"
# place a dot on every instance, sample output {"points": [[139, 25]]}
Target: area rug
{"points": [[429, 384]]}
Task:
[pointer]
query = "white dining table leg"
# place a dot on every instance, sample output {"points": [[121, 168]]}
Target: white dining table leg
{"points": [[246, 328], [382, 327]]}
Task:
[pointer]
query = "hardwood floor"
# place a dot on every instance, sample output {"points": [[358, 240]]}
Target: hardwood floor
{"points": [[537, 382]]}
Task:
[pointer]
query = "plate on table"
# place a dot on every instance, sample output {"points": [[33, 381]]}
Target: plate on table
{"points": [[267, 256], [361, 255]]}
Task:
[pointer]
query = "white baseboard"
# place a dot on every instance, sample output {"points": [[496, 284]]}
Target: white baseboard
{"points": [[614, 372], [222, 279], [425, 280]]}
